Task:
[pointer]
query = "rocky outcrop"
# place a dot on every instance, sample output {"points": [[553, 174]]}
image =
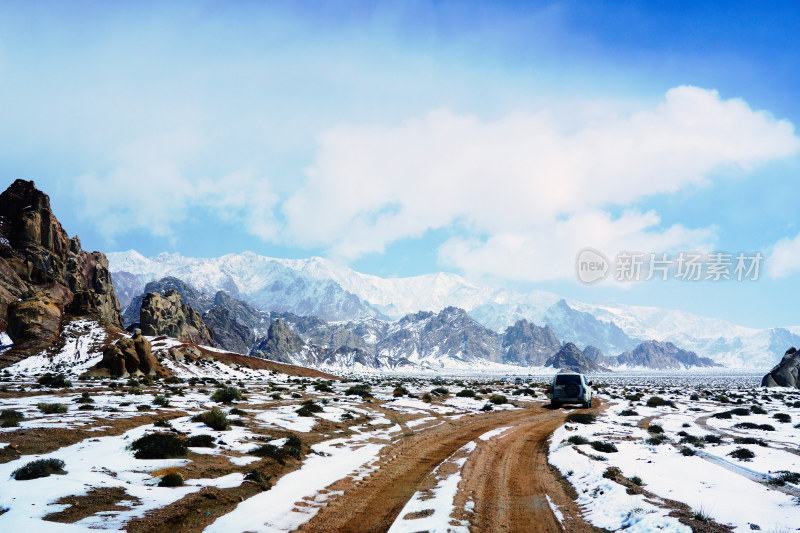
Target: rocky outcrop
{"points": [[189, 295], [786, 373], [34, 322], [130, 356], [281, 343], [168, 315], [451, 334], [228, 333], [661, 356], [36, 254], [255, 319], [569, 357], [527, 344]]}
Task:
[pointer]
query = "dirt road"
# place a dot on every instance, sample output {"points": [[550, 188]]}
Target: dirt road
{"points": [[507, 478]]}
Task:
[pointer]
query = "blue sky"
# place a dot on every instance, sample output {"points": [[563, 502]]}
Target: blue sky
{"points": [[490, 139]]}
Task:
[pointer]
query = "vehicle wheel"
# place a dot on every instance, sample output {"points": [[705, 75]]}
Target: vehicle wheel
{"points": [[587, 404]]}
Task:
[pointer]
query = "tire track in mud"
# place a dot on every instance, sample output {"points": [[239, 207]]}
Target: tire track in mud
{"points": [[507, 479]]}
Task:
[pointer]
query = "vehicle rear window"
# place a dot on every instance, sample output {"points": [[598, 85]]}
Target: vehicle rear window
{"points": [[565, 380]]}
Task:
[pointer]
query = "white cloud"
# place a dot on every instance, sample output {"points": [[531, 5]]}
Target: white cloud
{"points": [[549, 251], [151, 189], [784, 258], [527, 184]]}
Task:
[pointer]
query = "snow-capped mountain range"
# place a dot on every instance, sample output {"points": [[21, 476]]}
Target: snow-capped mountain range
{"points": [[320, 287]]}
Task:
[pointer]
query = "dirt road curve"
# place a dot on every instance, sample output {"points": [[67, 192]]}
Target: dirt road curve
{"points": [[506, 478]]}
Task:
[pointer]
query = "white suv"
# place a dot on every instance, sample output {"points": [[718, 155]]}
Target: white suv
{"points": [[570, 387]]}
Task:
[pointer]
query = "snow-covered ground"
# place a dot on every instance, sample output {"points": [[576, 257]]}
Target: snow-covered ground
{"points": [[345, 434], [682, 452]]}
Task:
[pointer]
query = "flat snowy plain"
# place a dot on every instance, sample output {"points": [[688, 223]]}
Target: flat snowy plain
{"points": [[640, 466]]}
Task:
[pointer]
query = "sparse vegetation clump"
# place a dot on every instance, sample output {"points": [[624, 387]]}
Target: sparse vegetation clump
{"points": [[466, 393], [743, 454], [757, 410], [52, 408], [629, 412], [215, 419], [399, 391], [227, 395], [323, 387], [581, 418], [161, 401], [39, 468], [498, 399], [658, 438], [427, 398], [201, 441], [750, 440], [687, 452], [605, 447], [85, 397], [271, 451], [655, 428], [159, 446], [751, 425], [578, 439], [54, 381], [9, 418], [657, 401], [439, 391], [308, 408], [487, 407], [783, 418], [362, 389], [173, 479]]}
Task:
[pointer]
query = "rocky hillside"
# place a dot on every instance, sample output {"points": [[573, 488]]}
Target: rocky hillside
{"points": [[651, 354], [569, 357], [450, 339], [45, 276], [167, 315], [319, 287]]}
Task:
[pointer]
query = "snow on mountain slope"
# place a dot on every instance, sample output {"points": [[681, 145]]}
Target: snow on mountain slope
{"points": [[267, 283], [317, 286]]}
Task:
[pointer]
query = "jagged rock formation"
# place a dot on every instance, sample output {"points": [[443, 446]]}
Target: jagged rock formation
{"points": [[50, 271], [569, 357], [281, 343], [227, 332], [786, 373], [168, 315], [190, 296], [234, 324], [660, 355], [528, 344], [130, 356]]}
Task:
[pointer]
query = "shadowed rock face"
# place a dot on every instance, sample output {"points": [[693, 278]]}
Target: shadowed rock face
{"points": [[786, 373], [168, 315], [569, 357], [228, 332], [50, 271], [280, 343], [528, 344]]}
